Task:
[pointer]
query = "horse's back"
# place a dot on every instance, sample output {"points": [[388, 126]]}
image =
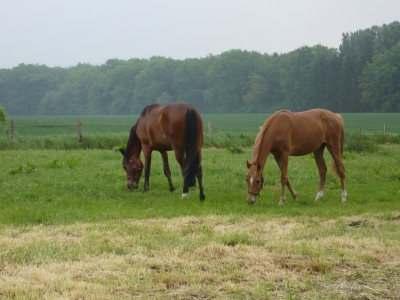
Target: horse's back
{"points": [[304, 132], [164, 126], [315, 119]]}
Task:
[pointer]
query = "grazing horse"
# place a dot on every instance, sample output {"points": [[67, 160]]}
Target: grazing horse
{"points": [[177, 126], [286, 133]]}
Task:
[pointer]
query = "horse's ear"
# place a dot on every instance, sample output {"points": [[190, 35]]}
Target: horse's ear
{"points": [[122, 152], [248, 164], [258, 166]]}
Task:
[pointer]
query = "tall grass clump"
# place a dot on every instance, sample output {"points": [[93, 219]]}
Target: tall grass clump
{"points": [[359, 143], [385, 139]]}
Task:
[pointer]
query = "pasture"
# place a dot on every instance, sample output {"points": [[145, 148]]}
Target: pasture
{"points": [[70, 229], [105, 132]]}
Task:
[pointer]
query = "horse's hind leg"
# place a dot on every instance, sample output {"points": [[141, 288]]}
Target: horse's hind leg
{"points": [[167, 170], [199, 175], [319, 159], [180, 159], [338, 168]]}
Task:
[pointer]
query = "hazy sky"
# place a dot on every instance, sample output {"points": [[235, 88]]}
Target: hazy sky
{"points": [[67, 32]]}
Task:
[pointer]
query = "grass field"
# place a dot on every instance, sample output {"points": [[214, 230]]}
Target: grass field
{"points": [[104, 132], [70, 229]]}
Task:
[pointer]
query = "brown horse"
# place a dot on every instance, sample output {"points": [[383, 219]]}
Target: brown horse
{"points": [[177, 126], [286, 133]]}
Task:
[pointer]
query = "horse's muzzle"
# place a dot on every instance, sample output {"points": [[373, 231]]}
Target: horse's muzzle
{"points": [[251, 199], [132, 186]]}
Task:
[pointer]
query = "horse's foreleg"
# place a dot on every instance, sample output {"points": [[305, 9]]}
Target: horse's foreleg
{"points": [[282, 161], [147, 163], [319, 159], [291, 189], [167, 170]]}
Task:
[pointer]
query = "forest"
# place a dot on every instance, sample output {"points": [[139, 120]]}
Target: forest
{"points": [[362, 75]]}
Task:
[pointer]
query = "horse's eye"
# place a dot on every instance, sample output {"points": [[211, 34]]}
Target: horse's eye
{"points": [[258, 181]]}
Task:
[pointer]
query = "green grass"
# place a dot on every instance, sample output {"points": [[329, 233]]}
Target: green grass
{"points": [[104, 132], [53, 187], [70, 229]]}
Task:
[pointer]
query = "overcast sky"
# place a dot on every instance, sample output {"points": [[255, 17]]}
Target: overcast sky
{"points": [[67, 32]]}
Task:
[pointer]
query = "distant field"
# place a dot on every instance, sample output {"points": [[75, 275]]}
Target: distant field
{"points": [[371, 122], [108, 131]]}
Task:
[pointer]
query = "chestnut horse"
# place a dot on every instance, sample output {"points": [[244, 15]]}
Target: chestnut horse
{"points": [[286, 133], [177, 126]]}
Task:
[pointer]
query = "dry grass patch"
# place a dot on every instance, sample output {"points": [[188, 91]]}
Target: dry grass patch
{"points": [[203, 257]]}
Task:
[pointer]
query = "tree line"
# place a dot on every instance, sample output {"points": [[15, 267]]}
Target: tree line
{"points": [[362, 75]]}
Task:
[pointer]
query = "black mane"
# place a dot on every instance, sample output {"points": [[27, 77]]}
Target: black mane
{"points": [[148, 108]]}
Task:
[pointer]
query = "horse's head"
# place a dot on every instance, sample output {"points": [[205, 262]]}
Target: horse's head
{"points": [[133, 168], [255, 181]]}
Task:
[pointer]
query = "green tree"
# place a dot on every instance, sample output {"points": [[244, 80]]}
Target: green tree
{"points": [[3, 120], [309, 78], [265, 92], [190, 82], [380, 80], [227, 80], [356, 50], [121, 82], [153, 81], [24, 86]]}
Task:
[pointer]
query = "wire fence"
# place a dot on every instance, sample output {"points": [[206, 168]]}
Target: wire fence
{"points": [[217, 130]]}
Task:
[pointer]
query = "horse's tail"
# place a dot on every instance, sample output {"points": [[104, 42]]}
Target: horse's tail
{"points": [[334, 168], [192, 156]]}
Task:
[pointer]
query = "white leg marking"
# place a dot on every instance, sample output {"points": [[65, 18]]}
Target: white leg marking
{"points": [[344, 196], [320, 194], [185, 195]]}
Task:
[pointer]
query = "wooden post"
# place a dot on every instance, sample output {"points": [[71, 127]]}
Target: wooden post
{"points": [[384, 128], [359, 130], [12, 132], [79, 130], [210, 130]]}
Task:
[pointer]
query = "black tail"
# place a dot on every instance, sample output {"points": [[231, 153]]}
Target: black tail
{"points": [[191, 154]]}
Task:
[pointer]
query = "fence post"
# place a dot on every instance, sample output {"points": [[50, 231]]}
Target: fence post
{"points": [[79, 130], [12, 132], [384, 128], [359, 130], [210, 130]]}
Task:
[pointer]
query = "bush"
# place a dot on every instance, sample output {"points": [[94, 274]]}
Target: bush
{"points": [[359, 143], [235, 149]]}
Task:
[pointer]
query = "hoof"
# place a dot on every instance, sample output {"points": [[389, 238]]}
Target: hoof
{"points": [[185, 195], [320, 194]]}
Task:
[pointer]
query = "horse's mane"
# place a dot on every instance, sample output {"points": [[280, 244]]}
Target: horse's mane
{"points": [[260, 135], [148, 108], [133, 129], [130, 140]]}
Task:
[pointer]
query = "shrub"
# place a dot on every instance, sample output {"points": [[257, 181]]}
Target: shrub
{"points": [[359, 143], [235, 149]]}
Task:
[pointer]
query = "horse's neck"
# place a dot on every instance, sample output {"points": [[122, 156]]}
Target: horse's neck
{"points": [[264, 149], [136, 145]]}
